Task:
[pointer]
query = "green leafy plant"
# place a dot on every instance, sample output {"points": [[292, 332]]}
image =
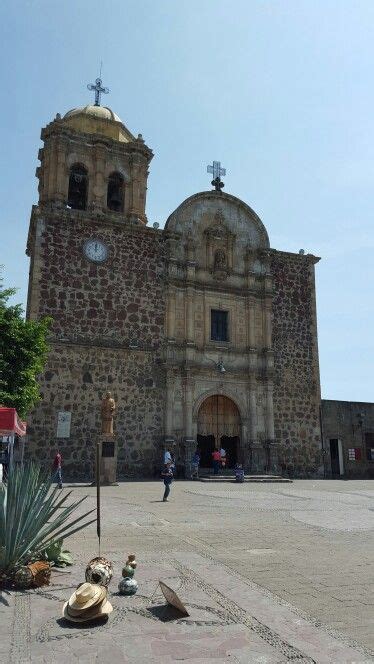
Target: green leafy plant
{"points": [[56, 555], [32, 515], [23, 351]]}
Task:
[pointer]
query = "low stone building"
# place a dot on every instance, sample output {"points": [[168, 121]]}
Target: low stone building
{"points": [[348, 435], [203, 333]]}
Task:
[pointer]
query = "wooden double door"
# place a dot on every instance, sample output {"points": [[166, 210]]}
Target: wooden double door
{"points": [[218, 425]]}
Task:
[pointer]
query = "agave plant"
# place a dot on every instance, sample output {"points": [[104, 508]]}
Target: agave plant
{"points": [[32, 514], [56, 555]]}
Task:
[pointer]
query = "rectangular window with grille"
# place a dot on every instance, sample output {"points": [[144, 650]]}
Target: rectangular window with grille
{"points": [[219, 329]]}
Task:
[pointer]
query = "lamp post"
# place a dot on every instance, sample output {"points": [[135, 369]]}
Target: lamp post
{"points": [[219, 365]]}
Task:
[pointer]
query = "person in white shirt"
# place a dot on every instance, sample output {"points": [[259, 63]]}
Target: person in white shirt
{"points": [[169, 458]]}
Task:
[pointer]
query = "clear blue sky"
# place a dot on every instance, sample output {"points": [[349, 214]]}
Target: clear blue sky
{"points": [[280, 91]]}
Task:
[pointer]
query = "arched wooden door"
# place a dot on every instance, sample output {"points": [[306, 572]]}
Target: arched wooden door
{"points": [[218, 425]]}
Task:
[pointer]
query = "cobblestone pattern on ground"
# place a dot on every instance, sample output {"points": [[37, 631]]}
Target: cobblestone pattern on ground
{"points": [[269, 574]]}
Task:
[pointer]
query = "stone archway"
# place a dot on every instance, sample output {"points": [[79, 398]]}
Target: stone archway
{"points": [[218, 425]]}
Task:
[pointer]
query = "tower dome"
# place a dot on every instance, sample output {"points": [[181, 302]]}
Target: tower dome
{"points": [[103, 112], [94, 119]]}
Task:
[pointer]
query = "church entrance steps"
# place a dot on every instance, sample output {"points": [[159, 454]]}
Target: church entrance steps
{"points": [[247, 478]]}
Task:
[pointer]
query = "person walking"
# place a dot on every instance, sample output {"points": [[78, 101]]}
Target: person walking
{"points": [[5, 464], [216, 454], [169, 456], [167, 476], [195, 462], [57, 467], [239, 473]]}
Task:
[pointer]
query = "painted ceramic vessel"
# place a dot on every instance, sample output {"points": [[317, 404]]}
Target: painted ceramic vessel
{"points": [[99, 571], [128, 571], [131, 561], [127, 586], [23, 577], [41, 572]]}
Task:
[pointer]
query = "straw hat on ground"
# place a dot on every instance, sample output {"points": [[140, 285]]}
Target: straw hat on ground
{"points": [[88, 602]]}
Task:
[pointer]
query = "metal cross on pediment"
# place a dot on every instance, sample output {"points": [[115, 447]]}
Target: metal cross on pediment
{"points": [[216, 171], [98, 90]]}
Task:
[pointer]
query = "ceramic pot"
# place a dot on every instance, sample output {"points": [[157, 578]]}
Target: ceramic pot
{"points": [[128, 571], [23, 577], [41, 573], [99, 571], [131, 560], [128, 586]]}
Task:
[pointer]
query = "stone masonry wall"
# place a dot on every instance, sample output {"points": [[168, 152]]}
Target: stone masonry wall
{"points": [[100, 312], [296, 382], [75, 378], [116, 301]]}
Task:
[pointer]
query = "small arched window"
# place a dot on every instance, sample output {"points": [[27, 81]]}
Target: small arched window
{"points": [[78, 186], [115, 192]]}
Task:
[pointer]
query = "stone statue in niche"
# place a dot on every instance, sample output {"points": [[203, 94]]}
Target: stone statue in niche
{"points": [[220, 260], [108, 407], [190, 247], [220, 267]]}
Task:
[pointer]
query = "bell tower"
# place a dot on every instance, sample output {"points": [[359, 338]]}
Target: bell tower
{"points": [[92, 163], [96, 268], [92, 176]]}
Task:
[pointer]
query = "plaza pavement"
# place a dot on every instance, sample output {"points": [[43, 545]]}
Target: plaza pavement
{"points": [[269, 573]]}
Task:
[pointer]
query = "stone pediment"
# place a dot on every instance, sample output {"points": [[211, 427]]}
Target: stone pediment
{"points": [[222, 216]]}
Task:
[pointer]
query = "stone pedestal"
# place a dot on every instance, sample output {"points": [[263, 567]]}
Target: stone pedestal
{"points": [[108, 451]]}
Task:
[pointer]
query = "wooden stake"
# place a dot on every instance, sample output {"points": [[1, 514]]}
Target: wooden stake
{"points": [[98, 516]]}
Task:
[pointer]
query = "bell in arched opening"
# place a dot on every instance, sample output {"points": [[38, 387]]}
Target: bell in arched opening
{"points": [[115, 192], [78, 186]]}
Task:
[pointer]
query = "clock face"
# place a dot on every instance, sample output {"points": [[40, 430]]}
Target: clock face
{"points": [[95, 250]]}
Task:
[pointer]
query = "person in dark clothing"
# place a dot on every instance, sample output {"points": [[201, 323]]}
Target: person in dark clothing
{"points": [[167, 476], [57, 469], [239, 473], [5, 464], [195, 462], [216, 454]]}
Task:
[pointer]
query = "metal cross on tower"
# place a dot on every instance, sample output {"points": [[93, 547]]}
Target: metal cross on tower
{"points": [[98, 90], [217, 171]]}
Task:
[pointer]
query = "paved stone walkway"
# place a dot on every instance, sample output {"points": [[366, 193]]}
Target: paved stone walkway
{"points": [[269, 573]]}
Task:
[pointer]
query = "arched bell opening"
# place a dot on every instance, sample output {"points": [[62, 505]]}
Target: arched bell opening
{"points": [[218, 426], [78, 187], [115, 193]]}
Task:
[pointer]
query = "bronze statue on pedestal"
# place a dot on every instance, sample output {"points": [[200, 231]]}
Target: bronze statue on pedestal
{"points": [[108, 407]]}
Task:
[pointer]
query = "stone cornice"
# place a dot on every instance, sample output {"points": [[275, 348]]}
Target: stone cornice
{"points": [[220, 287], [105, 344], [61, 132], [310, 258], [93, 219]]}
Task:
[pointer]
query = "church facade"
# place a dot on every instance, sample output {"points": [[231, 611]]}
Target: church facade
{"points": [[204, 334]]}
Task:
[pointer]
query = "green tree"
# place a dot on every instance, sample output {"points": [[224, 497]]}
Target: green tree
{"points": [[23, 351]]}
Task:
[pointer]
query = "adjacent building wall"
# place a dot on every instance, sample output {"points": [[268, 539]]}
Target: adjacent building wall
{"points": [[352, 423]]}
